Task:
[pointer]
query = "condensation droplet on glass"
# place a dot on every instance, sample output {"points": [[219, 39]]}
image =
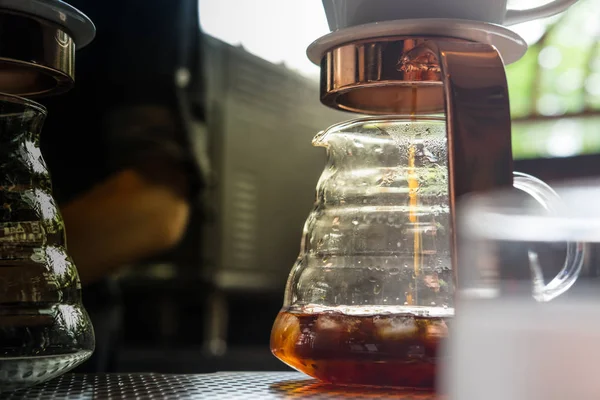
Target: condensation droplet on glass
{"points": [[372, 279], [355, 222], [335, 223], [377, 289], [406, 303], [405, 265], [429, 155], [397, 298], [385, 300], [358, 143], [399, 244], [433, 303], [445, 305], [394, 271]]}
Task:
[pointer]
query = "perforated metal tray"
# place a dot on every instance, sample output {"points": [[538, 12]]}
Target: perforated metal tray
{"points": [[224, 385]]}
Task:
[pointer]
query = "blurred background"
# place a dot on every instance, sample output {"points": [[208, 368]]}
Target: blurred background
{"points": [[187, 139]]}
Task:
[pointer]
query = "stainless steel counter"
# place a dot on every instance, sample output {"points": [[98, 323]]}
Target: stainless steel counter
{"points": [[224, 385]]}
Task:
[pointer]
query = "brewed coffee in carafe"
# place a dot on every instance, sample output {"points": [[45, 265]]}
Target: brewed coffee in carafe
{"points": [[369, 298]]}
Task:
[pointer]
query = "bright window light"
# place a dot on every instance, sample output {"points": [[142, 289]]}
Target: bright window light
{"points": [[278, 31]]}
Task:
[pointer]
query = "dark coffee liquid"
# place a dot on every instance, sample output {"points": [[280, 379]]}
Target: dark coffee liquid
{"points": [[382, 350]]}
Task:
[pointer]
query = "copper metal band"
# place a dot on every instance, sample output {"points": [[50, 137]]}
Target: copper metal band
{"points": [[372, 77]]}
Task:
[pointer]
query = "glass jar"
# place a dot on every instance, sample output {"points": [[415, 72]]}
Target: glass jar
{"points": [[44, 328], [371, 295]]}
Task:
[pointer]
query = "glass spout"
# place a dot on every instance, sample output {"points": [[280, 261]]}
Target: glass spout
{"points": [[320, 139]]}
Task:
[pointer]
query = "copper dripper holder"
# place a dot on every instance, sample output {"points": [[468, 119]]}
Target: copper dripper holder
{"points": [[430, 75]]}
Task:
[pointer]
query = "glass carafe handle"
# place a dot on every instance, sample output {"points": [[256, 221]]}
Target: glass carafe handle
{"points": [[547, 10], [568, 275]]}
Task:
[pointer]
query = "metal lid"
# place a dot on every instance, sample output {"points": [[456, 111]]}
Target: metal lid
{"points": [[38, 39]]}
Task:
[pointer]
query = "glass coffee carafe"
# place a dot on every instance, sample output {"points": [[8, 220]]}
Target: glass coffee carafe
{"points": [[371, 295], [44, 329]]}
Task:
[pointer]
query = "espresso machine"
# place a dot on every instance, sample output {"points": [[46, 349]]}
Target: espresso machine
{"points": [[44, 328], [371, 296]]}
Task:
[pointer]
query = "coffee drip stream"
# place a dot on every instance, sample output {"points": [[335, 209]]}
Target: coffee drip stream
{"points": [[371, 297]]}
